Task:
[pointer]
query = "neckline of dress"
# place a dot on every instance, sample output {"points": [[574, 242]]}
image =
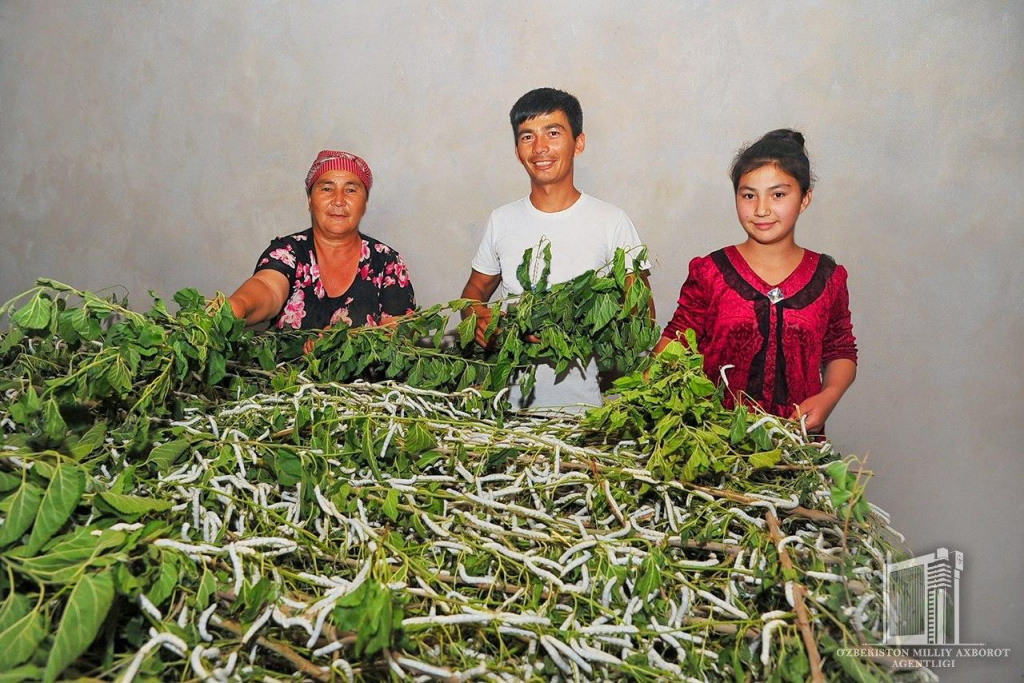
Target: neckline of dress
{"points": [[805, 266], [315, 261]]}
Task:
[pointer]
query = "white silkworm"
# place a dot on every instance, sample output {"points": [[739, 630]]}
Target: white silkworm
{"points": [[775, 614], [328, 649], [257, 625], [766, 639], [285, 621], [759, 523], [236, 564], [450, 545], [583, 545], [581, 560], [594, 654], [474, 580], [514, 631], [149, 608], [612, 504], [196, 660], [826, 576], [624, 531], [712, 561], [346, 668], [788, 539], [722, 603], [132, 670], [569, 652], [609, 630], [632, 607], [195, 509], [606, 595], [204, 619], [424, 668], [470, 674], [319, 625], [450, 620], [544, 574], [555, 656], [656, 660], [524, 619]]}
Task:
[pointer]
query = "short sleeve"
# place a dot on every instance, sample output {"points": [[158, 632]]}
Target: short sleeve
{"points": [[692, 307], [396, 294], [281, 256], [839, 341], [486, 260], [626, 237]]}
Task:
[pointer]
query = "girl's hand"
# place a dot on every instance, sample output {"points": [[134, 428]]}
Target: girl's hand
{"points": [[816, 408], [839, 375]]}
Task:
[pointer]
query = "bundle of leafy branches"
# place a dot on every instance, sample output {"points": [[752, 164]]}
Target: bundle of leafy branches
{"points": [[184, 499]]}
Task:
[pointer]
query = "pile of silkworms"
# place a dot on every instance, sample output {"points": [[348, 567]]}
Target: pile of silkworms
{"points": [[511, 548]]}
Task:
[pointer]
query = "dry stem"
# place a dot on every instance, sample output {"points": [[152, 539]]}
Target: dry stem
{"points": [[802, 621]]}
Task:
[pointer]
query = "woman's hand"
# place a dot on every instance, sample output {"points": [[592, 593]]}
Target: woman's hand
{"points": [[310, 343], [839, 375], [260, 298], [816, 410]]}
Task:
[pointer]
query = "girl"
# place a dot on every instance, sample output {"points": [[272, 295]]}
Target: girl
{"points": [[777, 313]]}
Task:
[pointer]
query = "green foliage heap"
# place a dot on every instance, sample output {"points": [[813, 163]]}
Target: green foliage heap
{"points": [[184, 499]]}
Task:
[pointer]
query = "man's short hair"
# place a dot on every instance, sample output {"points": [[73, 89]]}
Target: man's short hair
{"points": [[545, 101]]}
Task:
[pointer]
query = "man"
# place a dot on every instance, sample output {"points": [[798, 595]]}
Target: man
{"points": [[584, 232]]}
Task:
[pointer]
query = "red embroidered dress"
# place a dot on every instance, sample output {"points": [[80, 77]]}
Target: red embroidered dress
{"points": [[779, 339]]}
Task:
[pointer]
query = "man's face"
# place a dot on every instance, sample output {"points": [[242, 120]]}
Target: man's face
{"points": [[546, 149]]}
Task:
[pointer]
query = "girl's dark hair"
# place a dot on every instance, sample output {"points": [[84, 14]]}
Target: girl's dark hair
{"points": [[782, 147]]}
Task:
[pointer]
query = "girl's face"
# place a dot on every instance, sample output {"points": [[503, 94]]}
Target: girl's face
{"points": [[768, 202]]}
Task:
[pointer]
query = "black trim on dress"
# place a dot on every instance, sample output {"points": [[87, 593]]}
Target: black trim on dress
{"points": [[807, 295]]}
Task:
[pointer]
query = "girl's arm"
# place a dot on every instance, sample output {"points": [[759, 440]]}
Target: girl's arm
{"points": [[839, 375], [839, 356], [691, 309]]}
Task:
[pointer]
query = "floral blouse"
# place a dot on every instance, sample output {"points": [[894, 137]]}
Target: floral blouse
{"points": [[381, 286]]}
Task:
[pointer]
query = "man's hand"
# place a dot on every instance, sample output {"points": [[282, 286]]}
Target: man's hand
{"points": [[480, 287], [483, 321]]}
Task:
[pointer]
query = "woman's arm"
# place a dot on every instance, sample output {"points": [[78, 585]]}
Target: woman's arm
{"points": [[839, 356], [261, 297], [839, 375]]}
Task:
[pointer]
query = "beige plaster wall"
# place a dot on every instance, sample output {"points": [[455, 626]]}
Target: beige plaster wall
{"points": [[161, 145]]}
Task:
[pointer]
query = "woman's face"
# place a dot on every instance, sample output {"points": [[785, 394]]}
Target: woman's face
{"points": [[768, 202], [337, 202]]}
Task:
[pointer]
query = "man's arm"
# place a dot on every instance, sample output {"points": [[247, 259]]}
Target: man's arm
{"points": [[480, 287], [645, 278]]}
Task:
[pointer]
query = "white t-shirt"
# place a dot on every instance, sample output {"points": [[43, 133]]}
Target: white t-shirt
{"points": [[583, 237]]}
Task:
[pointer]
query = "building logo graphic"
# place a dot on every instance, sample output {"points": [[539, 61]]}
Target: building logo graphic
{"points": [[921, 616], [922, 599]]}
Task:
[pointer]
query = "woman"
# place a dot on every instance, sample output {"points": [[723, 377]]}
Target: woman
{"points": [[329, 273]]}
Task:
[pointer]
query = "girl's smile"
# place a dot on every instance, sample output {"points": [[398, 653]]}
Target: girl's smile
{"points": [[768, 202]]}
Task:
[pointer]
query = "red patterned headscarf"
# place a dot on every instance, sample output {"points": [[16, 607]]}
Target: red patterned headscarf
{"points": [[330, 160]]}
